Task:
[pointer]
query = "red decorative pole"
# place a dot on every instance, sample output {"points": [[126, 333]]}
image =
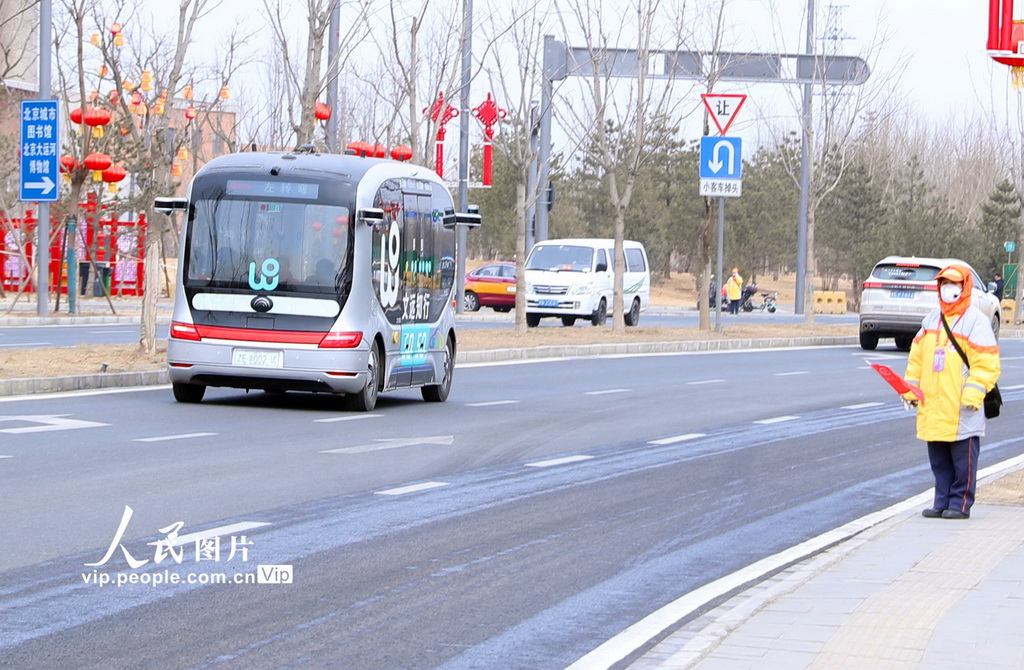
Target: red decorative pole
{"points": [[488, 113], [441, 119]]}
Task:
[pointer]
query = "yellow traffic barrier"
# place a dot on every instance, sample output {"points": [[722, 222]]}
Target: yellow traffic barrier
{"points": [[1006, 309], [839, 302], [820, 303]]}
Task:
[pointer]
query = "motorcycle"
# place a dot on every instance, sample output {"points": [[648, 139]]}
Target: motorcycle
{"points": [[768, 300], [712, 291]]}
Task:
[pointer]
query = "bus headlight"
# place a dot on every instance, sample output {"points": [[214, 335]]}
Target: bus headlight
{"points": [[582, 289]]}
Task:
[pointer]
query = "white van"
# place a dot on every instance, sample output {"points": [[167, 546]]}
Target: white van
{"points": [[575, 279]]}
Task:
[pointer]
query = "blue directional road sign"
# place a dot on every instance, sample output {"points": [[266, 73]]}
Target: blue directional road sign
{"points": [[40, 145], [721, 157]]}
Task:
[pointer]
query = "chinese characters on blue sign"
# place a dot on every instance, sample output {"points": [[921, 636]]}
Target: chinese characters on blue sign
{"points": [[721, 166], [40, 144]]}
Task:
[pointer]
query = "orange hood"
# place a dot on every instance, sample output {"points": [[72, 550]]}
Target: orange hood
{"points": [[956, 273]]}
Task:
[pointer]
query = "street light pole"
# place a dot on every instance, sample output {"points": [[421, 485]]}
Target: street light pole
{"points": [[805, 174], [467, 63]]}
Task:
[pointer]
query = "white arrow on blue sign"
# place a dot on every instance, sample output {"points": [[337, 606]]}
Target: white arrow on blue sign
{"points": [[40, 147], [721, 157]]}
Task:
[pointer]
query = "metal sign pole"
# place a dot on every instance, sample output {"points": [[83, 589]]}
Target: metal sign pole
{"points": [[718, 268], [43, 226]]}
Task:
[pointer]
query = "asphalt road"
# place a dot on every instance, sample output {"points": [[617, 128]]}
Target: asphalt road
{"points": [[543, 509]]}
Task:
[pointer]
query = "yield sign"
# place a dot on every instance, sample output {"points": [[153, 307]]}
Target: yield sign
{"points": [[723, 108]]}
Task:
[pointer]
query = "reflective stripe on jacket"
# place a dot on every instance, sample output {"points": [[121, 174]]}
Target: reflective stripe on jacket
{"points": [[944, 417]]}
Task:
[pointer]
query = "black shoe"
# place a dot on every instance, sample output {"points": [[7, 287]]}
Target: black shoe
{"points": [[955, 514], [932, 513]]}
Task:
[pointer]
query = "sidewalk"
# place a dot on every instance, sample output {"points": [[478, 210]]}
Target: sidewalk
{"points": [[908, 593]]}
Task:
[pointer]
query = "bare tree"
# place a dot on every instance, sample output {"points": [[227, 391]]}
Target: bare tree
{"points": [[306, 81], [620, 157], [516, 74]]}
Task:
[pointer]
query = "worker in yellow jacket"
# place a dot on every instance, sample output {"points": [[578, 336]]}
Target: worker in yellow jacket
{"points": [[734, 290], [950, 418]]}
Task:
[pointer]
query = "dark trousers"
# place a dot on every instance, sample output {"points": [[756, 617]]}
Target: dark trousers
{"points": [[955, 466], [734, 306]]}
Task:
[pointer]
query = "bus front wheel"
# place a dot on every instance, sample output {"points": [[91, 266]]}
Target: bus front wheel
{"points": [[366, 399], [190, 393]]}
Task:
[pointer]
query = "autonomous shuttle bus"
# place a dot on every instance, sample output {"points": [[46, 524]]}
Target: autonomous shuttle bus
{"points": [[314, 272]]}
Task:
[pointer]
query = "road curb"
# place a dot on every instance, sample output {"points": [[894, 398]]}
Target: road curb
{"points": [[26, 386]]}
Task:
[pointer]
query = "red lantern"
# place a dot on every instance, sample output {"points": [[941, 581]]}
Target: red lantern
{"points": [[321, 111], [1006, 39], [97, 163], [96, 118], [68, 163], [380, 151], [76, 115], [190, 112], [401, 153], [358, 148], [112, 175], [317, 226]]}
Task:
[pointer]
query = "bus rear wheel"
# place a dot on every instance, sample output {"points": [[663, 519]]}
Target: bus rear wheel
{"points": [[439, 392], [191, 393], [366, 399]]}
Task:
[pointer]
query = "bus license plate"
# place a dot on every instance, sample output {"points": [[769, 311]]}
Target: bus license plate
{"points": [[547, 302], [257, 358], [906, 295]]}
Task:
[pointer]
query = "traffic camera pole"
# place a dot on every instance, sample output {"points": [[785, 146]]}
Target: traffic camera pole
{"points": [[467, 62]]}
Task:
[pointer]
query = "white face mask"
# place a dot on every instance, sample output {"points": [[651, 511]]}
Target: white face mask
{"points": [[950, 293]]}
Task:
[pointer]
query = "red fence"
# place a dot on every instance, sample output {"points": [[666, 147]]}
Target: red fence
{"points": [[116, 246]]}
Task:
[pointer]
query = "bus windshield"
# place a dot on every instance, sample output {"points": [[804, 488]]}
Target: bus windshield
{"points": [[561, 257], [278, 244]]}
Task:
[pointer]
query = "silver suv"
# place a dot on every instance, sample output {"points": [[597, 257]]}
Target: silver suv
{"points": [[902, 290]]}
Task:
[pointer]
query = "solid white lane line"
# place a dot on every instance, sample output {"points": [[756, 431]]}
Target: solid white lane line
{"points": [[863, 405], [777, 419], [221, 531], [1013, 388], [790, 374], [706, 381], [492, 403], [164, 438], [608, 391], [558, 461], [425, 486], [677, 438], [354, 417]]}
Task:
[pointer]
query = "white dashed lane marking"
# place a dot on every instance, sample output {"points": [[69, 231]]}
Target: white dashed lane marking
{"points": [[355, 417], [790, 374], [706, 381], [492, 403], [677, 438], [558, 461], [863, 405], [401, 490], [164, 438], [233, 529], [777, 419], [607, 391]]}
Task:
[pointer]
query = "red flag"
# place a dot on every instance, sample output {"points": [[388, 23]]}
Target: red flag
{"points": [[897, 382]]}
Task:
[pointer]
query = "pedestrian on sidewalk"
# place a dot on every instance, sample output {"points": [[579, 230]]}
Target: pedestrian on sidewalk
{"points": [[950, 418], [733, 291]]}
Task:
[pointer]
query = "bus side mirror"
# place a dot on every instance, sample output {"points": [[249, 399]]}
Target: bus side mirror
{"points": [[169, 205], [371, 215]]}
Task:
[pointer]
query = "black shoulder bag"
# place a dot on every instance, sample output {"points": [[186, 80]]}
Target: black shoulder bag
{"points": [[993, 399]]}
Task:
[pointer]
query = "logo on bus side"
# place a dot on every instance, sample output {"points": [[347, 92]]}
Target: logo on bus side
{"points": [[390, 258], [268, 279]]}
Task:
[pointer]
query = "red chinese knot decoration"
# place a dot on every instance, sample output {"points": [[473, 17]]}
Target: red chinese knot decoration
{"points": [[488, 114], [441, 114]]}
